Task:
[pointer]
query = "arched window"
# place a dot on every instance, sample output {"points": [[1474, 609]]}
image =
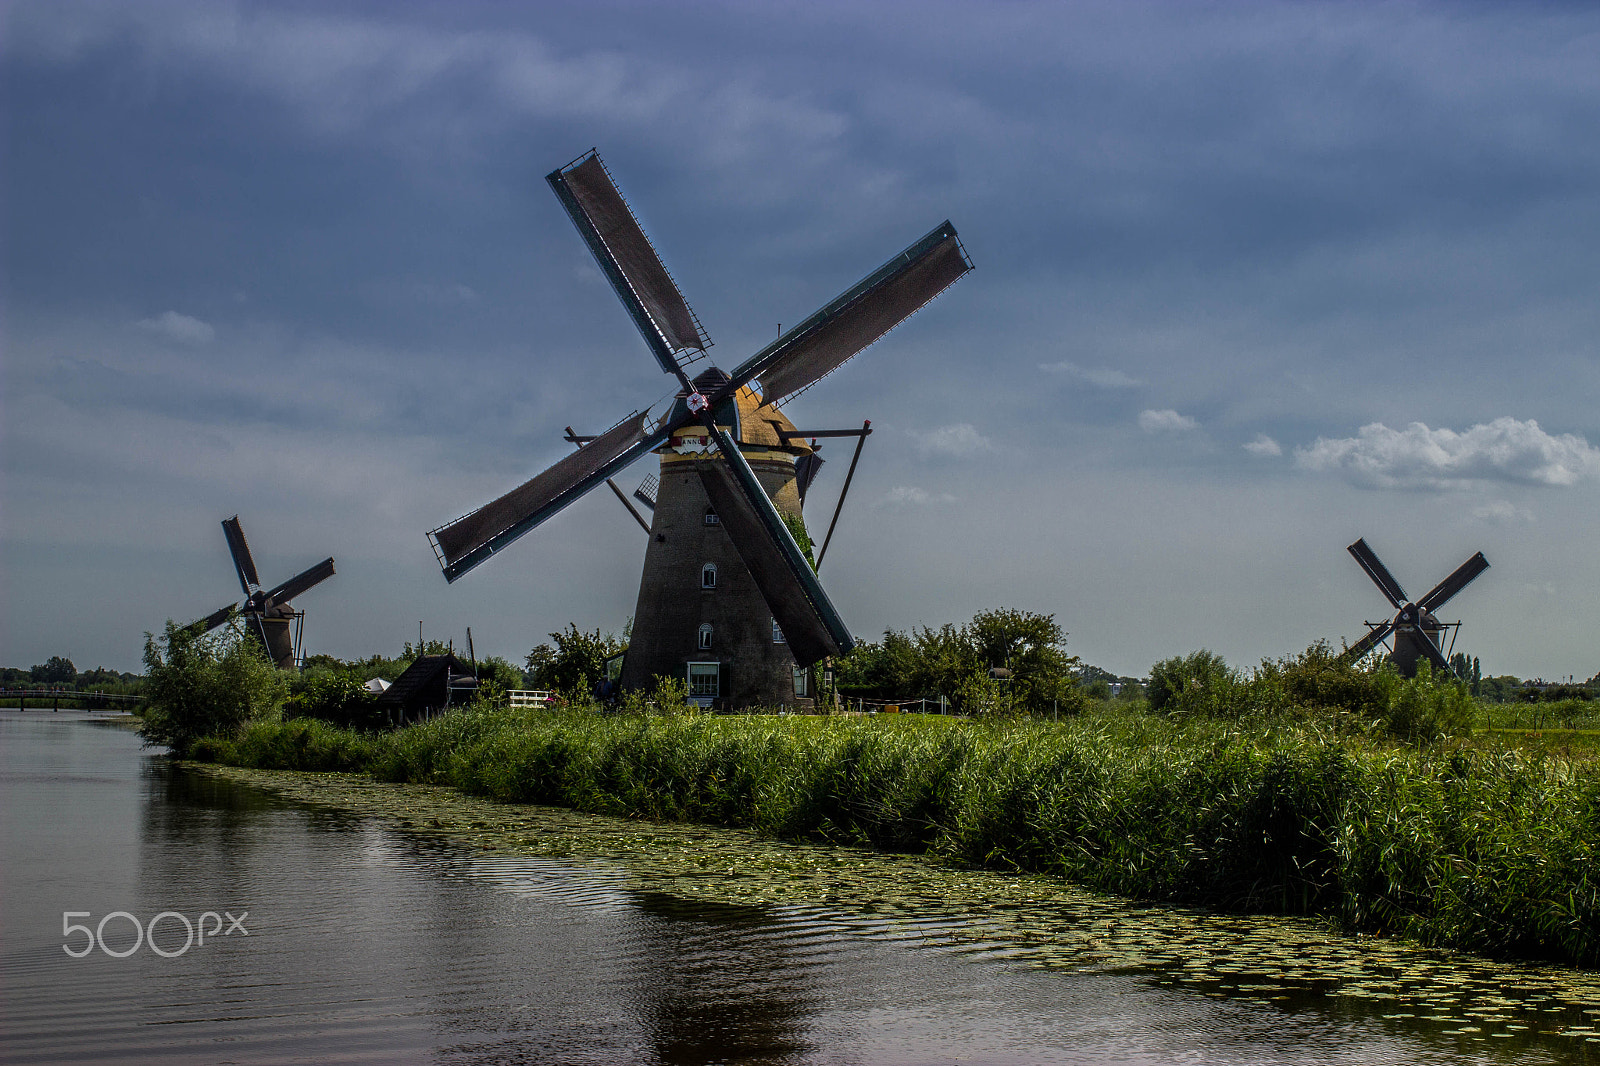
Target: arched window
{"points": [[708, 576], [705, 636]]}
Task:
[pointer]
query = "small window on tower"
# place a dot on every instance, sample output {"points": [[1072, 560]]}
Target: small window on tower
{"points": [[777, 634], [711, 517], [708, 576], [705, 636]]}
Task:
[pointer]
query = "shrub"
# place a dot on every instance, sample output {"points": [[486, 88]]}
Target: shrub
{"points": [[201, 685], [338, 698], [1199, 683], [1428, 707], [1319, 678], [669, 696]]}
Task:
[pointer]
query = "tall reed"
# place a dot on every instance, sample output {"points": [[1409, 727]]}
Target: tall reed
{"points": [[1493, 852]]}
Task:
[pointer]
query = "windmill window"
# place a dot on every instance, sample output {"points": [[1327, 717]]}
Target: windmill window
{"points": [[708, 576], [703, 681], [705, 636], [777, 634], [711, 517]]}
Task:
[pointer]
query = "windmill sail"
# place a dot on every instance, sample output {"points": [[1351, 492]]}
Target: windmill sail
{"points": [[214, 619], [802, 609], [246, 566], [1367, 643], [468, 541], [1377, 571], [1427, 647], [307, 579], [1463, 576], [628, 260], [857, 318]]}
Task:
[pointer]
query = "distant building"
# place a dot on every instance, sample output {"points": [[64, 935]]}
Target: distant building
{"points": [[428, 686]]}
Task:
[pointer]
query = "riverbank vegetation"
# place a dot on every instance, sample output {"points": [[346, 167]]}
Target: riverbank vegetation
{"points": [[1304, 786], [1385, 815]]}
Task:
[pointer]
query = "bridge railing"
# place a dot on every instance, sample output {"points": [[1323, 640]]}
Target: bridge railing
{"points": [[55, 696]]}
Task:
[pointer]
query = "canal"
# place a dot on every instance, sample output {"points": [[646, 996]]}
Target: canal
{"points": [[231, 917]]}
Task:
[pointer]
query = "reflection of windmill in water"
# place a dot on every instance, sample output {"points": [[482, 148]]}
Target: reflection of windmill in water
{"points": [[268, 615], [727, 600], [1416, 630], [723, 982]]}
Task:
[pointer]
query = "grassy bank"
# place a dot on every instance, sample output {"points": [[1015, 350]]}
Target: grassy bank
{"points": [[1470, 845]]}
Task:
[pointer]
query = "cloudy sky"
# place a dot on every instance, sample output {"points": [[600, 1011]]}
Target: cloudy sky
{"points": [[1252, 280]]}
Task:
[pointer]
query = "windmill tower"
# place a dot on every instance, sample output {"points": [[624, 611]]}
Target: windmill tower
{"points": [[700, 615], [728, 466], [1415, 628], [268, 614]]}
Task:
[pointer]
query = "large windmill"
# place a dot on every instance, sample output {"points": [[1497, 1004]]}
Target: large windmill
{"points": [[727, 600], [1415, 628], [267, 613]]}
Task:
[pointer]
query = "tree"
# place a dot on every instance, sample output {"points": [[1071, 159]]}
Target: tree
{"points": [[1033, 647], [58, 671], [498, 670], [201, 684], [336, 696], [575, 664], [954, 661], [945, 664]]}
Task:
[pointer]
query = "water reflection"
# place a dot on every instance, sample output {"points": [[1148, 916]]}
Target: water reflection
{"points": [[718, 984]]}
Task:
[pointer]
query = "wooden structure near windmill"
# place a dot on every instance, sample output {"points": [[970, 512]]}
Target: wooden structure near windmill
{"points": [[426, 688], [727, 601]]}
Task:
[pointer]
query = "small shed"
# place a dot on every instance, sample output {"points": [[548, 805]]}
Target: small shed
{"points": [[428, 686]]}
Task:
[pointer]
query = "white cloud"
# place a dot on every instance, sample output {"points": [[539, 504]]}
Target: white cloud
{"points": [[1263, 445], [180, 328], [1165, 421], [961, 439], [911, 495], [1421, 458], [1105, 377], [1499, 512]]}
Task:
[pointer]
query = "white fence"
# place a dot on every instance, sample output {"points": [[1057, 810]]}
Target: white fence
{"points": [[528, 697]]}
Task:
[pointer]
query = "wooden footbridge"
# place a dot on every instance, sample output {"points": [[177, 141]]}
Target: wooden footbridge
{"points": [[44, 697]]}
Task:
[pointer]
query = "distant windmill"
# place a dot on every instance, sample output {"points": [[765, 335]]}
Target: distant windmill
{"points": [[267, 613], [727, 600], [1415, 628]]}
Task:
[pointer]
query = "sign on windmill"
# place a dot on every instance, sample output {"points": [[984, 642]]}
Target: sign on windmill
{"points": [[728, 601]]}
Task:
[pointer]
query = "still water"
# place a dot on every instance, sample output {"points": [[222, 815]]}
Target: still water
{"points": [[366, 923]]}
